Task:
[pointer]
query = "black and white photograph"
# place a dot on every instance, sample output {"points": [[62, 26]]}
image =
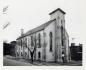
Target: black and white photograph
{"points": [[42, 33]]}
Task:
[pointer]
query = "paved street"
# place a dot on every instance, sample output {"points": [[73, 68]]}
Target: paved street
{"points": [[9, 62]]}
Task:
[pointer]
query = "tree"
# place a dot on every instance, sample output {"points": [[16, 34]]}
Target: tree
{"points": [[32, 49]]}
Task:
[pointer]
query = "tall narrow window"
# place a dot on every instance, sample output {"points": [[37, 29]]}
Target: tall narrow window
{"points": [[21, 43], [39, 40], [62, 35], [21, 54], [50, 41], [39, 55], [61, 22], [26, 42], [35, 41], [31, 41]]}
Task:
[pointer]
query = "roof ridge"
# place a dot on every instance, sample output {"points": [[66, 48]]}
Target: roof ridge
{"points": [[39, 28]]}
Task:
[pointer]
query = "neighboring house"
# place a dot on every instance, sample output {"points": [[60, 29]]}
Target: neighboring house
{"points": [[50, 40], [6, 48], [9, 48], [76, 51], [12, 48]]}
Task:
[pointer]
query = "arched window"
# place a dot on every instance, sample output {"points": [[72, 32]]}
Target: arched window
{"points": [[62, 35], [39, 38], [61, 22], [32, 41], [26, 41], [50, 35], [21, 43], [39, 55]]}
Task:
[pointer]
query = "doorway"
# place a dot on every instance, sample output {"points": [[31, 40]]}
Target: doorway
{"points": [[39, 55]]}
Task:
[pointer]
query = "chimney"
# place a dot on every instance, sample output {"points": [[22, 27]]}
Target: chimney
{"points": [[22, 32], [72, 44]]}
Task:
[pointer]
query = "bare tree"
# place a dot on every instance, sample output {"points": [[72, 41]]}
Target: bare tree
{"points": [[31, 51]]}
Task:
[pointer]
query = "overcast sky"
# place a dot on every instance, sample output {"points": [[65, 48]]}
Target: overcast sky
{"points": [[28, 14]]}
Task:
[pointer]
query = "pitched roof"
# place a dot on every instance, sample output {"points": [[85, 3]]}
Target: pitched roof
{"points": [[39, 28], [57, 10]]}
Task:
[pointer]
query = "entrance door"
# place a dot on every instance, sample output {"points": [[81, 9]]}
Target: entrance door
{"points": [[39, 55]]}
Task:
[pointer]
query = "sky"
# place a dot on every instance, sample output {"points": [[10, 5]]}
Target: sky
{"points": [[28, 14]]}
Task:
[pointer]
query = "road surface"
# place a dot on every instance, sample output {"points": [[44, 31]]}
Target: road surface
{"points": [[10, 62]]}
